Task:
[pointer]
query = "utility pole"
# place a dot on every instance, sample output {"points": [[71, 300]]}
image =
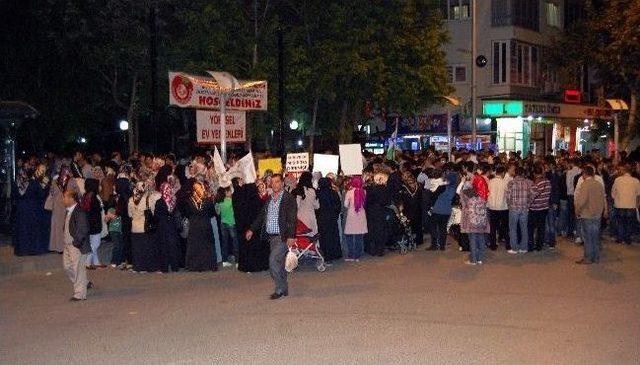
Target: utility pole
{"points": [[474, 52], [281, 77]]}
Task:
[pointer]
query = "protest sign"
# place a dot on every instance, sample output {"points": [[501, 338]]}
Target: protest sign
{"points": [[351, 159], [325, 164]]}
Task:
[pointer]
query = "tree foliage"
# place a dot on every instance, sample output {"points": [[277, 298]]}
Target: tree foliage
{"points": [[85, 64]]}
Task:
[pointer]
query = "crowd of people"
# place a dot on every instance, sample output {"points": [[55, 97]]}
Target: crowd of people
{"points": [[155, 213]]}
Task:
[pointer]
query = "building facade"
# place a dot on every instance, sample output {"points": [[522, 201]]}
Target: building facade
{"points": [[520, 104]]}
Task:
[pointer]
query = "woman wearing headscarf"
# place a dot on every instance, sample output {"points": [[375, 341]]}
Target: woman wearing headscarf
{"points": [[327, 217], [29, 202], [356, 219], [124, 191], [92, 205], [247, 204], [167, 238], [144, 251], [200, 249], [61, 183], [305, 196], [411, 199], [442, 211], [378, 199]]}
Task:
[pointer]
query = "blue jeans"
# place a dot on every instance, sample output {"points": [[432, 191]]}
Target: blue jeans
{"points": [[590, 232], [116, 253], [354, 245], [563, 217], [550, 227], [229, 244], [519, 218], [625, 221], [477, 246]]}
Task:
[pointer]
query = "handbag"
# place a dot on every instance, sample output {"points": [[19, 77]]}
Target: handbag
{"points": [[150, 223]]}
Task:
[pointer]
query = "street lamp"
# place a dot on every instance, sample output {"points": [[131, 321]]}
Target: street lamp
{"points": [[294, 125], [82, 140], [124, 125]]}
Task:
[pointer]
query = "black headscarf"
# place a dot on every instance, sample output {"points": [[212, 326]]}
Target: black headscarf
{"points": [[305, 181]]}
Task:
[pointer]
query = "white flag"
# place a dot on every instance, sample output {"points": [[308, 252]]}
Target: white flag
{"points": [[248, 169], [218, 164]]}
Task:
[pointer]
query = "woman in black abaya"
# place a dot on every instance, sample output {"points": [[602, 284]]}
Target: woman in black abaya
{"points": [[327, 217], [200, 250], [254, 254]]}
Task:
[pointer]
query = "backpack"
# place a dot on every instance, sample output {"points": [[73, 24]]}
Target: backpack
{"points": [[477, 213]]}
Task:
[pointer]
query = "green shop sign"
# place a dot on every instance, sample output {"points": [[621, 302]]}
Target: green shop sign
{"points": [[503, 108]]}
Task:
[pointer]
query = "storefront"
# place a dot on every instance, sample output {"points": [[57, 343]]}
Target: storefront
{"points": [[539, 127]]}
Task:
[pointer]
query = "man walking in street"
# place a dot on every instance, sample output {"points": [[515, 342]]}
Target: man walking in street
{"points": [[277, 220], [625, 193], [518, 197], [76, 246], [589, 206]]}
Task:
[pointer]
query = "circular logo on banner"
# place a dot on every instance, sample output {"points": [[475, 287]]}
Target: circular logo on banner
{"points": [[181, 89]]}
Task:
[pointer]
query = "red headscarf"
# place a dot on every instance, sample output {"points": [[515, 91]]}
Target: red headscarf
{"points": [[480, 186]]}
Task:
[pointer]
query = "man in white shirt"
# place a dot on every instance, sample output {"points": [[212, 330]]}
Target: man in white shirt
{"points": [[573, 171], [625, 193], [498, 209]]}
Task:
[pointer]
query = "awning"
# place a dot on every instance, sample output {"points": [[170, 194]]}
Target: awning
{"points": [[535, 109]]}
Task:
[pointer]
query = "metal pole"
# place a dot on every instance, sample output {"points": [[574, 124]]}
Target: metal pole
{"points": [[281, 77], [474, 131], [223, 126], [616, 136]]}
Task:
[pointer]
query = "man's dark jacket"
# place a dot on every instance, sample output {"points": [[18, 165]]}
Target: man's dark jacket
{"points": [[286, 217], [79, 230]]}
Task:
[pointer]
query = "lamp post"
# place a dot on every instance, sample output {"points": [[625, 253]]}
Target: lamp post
{"points": [[124, 127]]}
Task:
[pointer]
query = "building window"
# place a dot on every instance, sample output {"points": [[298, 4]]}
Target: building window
{"points": [[519, 13], [499, 62], [553, 15], [524, 67], [456, 9], [456, 74]]}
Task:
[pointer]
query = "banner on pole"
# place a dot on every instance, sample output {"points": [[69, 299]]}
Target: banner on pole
{"points": [[273, 164], [208, 126], [325, 164], [297, 162], [189, 91], [351, 159]]}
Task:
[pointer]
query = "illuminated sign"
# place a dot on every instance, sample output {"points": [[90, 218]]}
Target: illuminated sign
{"points": [[501, 108]]}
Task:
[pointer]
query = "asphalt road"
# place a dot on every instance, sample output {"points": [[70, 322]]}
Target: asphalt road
{"points": [[422, 308]]}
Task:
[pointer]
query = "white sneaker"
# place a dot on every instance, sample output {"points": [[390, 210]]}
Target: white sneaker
{"points": [[513, 252], [479, 262], [470, 263], [578, 240], [227, 264], [522, 251]]}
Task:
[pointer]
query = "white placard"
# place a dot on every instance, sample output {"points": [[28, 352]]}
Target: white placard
{"points": [[326, 164], [297, 162], [351, 159], [208, 126]]}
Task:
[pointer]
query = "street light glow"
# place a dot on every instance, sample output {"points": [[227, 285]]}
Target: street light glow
{"points": [[294, 124], [299, 142], [124, 125]]}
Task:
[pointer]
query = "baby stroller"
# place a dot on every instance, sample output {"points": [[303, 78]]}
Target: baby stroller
{"points": [[401, 231], [307, 246]]}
